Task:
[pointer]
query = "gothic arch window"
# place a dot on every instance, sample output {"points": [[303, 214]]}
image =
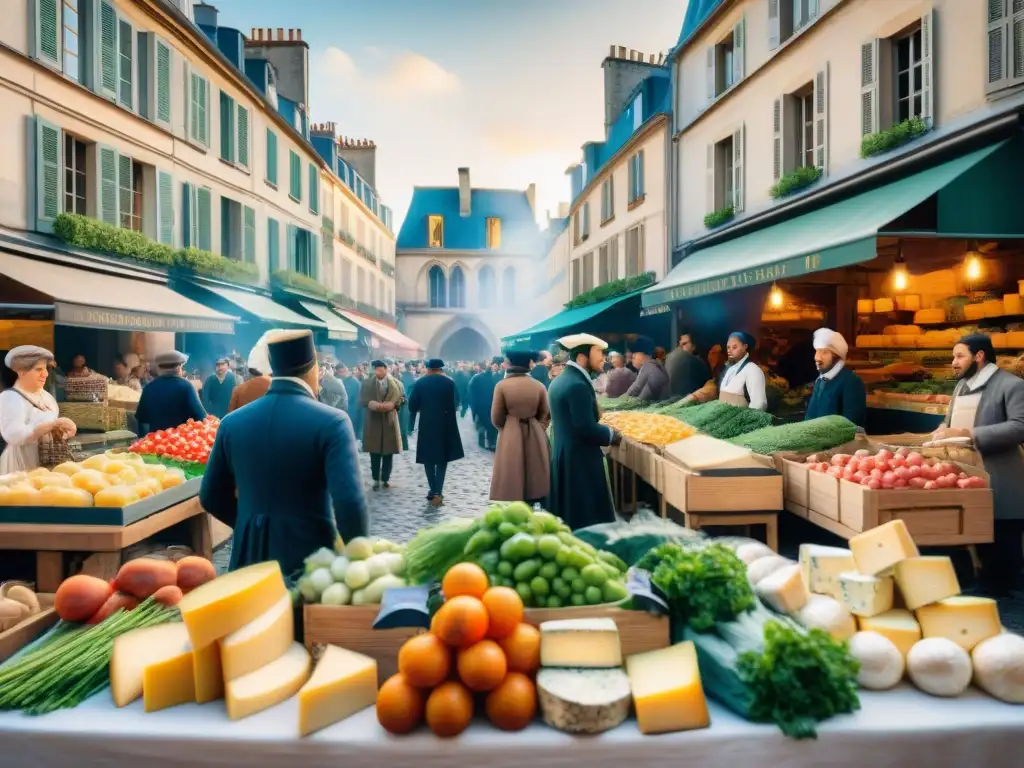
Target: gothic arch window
{"points": [[457, 288], [488, 289], [438, 287], [508, 287]]}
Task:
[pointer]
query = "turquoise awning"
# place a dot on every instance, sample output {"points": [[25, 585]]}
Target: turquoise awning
{"points": [[338, 329], [835, 236], [568, 319]]}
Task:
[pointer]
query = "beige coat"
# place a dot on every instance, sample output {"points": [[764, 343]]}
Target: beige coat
{"points": [[522, 467], [381, 432]]}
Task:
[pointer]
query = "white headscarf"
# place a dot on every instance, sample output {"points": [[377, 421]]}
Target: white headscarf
{"points": [[826, 338], [259, 356]]}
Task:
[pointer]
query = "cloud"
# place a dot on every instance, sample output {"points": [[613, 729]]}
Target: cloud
{"points": [[405, 75]]}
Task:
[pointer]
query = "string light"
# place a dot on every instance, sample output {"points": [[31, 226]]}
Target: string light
{"points": [[776, 298]]}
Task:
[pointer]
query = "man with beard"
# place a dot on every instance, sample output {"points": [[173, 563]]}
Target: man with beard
{"points": [[580, 493], [838, 390], [687, 373], [987, 408], [743, 381]]}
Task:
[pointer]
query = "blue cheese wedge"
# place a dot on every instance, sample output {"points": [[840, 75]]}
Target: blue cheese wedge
{"points": [[583, 643], [822, 566], [866, 595], [583, 700]]}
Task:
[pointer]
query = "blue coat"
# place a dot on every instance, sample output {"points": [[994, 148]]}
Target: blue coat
{"points": [[842, 396], [216, 395], [435, 399], [284, 473], [168, 401], [481, 393]]}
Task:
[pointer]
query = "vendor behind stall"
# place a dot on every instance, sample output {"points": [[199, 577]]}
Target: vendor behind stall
{"points": [[687, 373], [743, 380], [619, 379], [170, 400], [652, 382], [838, 390]]}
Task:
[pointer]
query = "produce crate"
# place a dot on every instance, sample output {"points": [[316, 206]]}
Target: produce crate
{"points": [[20, 635], [102, 515], [795, 484], [735, 489]]}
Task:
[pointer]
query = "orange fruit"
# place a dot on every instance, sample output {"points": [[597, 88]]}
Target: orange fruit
{"points": [[505, 610], [462, 621], [449, 709], [522, 649], [464, 579], [482, 666], [512, 705], [424, 660], [400, 705]]}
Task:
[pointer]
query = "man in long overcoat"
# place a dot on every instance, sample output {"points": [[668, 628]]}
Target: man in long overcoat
{"points": [[519, 411], [381, 395], [435, 401]]}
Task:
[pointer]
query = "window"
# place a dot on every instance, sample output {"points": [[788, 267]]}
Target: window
{"points": [[1005, 46], [488, 290], [800, 126], [360, 284], [725, 173], [197, 215], [725, 62], [162, 88], [635, 251], [724, 181], [125, 63], [909, 72], [636, 178], [303, 251], [314, 189], [587, 266], [574, 277], [271, 158], [607, 199], [602, 264], [787, 17], [129, 189], [581, 222], [75, 180], [198, 108], [242, 123], [805, 127], [436, 287], [346, 277], [344, 225], [435, 231], [638, 111], [613, 258], [231, 233], [493, 233], [227, 128], [508, 287], [70, 38], [457, 288], [294, 176], [804, 12], [897, 75]]}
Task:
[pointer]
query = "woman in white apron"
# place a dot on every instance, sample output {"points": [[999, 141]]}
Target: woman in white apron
{"points": [[743, 380], [27, 411]]}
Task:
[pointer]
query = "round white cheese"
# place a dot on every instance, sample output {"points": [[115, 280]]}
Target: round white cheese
{"points": [[881, 663], [939, 666], [583, 700], [999, 667], [753, 550], [765, 566], [828, 614]]}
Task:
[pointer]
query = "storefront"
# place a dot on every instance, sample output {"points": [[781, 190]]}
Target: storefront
{"points": [[380, 340], [340, 339]]}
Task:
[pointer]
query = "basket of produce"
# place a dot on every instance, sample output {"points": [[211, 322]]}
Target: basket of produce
{"points": [[190, 442], [24, 615], [88, 417], [116, 419], [121, 394], [86, 389]]}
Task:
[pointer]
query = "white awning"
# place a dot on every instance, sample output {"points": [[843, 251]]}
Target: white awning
{"points": [[263, 307], [338, 328]]}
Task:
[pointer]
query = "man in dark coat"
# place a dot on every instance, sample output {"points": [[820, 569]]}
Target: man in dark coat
{"points": [[351, 384], [435, 400], [217, 389], [408, 379], [170, 400], [686, 371], [496, 375], [284, 472], [580, 493], [480, 394], [461, 378], [541, 370], [838, 390], [651, 383]]}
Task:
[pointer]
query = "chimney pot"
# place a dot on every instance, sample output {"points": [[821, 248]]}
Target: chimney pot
{"points": [[291, 34], [622, 51], [465, 193], [611, 51], [652, 58], [280, 33], [298, 34]]}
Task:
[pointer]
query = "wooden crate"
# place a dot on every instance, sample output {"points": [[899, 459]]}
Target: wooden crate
{"points": [[17, 637], [639, 631], [726, 490], [795, 488], [823, 494]]}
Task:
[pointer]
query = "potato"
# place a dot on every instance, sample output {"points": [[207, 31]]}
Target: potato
{"points": [[79, 597], [141, 578], [194, 571]]}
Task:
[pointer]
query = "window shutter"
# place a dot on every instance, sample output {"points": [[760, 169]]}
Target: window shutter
{"points": [[124, 190], [108, 50], [710, 191], [777, 139], [125, 64], [613, 258], [640, 172], [293, 237], [998, 34], [273, 245], [314, 189], [774, 28], [927, 68], [271, 157], [821, 119], [711, 73], [107, 193], [49, 174], [314, 255], [869, 87], [188, 216], [227, 130], [798, 14], [165, 207], [249, 235], [46, 43], [202, 108], [737, 169], [163, 83], [243, 136], [739, 38], [204, 232]]}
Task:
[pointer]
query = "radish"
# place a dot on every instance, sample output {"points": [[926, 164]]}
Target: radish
{"points": [[962, 476], [884, 454], [963, 483], [917, 482], [847, 474], [835, 471], [876, 473], [867, 464], [840, 459], [859, 475], [899, 460], [854, 464], [873, 484], [914, 470], [901, 473], [888, 477], [931, 485], [902, 451], [900, 485], [915, 459]]}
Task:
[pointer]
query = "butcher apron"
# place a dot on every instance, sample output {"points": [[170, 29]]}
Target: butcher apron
{"points": [[734, 398]]}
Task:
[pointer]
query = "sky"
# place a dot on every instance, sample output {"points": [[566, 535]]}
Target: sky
{"points": [[510, 89]]}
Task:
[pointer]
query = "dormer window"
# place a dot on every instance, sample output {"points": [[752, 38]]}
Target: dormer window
{"points": [[435, 231], [494, 233]]}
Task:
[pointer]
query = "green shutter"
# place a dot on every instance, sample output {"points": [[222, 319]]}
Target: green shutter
{"points": [[107, 196], [294, 176], [165, 207], [108, 50], [315, 256], [204, 234], [46, 45], [204, 111], [124, 190], [125, 63], [293, 246], [314, 189], [273, 244], [163, 82], [243, 136], [189, 219], [227, 129], [199, 108], [271, 157], [49, 175], [249, 234]]}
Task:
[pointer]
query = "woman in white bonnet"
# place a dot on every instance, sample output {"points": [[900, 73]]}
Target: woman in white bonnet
{"points": [[27, 411]]}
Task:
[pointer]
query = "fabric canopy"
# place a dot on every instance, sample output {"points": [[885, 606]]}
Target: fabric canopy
{"points": [[391, 337], [568, 319], [835, 236], [264, 308], [338, 328]]}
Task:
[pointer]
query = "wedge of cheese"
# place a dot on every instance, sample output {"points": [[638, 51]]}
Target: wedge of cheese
{"points": [[821, 567], [140, 649], [259, 642], [866, 595], [343, 683], [898, 626], [667, 691], [784, 590], [878, 549], [926, 580], [229, 602], [208, 674], [269, 685], [582, 643], [964, 620], [170, 681]]}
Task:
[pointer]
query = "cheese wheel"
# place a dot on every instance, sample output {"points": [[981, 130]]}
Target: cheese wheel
{"points": [[583, 700], [766, 566], [269, 685], [828, 614]]}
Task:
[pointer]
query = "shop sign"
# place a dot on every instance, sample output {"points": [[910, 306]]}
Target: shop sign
{"points": [[340, 336], [116, 319]]}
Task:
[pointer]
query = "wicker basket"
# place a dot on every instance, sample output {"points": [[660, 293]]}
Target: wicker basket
{"points": [[87, 416], [116, 418], [91, 389]]}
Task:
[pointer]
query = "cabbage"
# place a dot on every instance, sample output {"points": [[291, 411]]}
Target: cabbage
{"points": [[359, 548], [320, 579], [378, 566], [358, 575], [336, 594], [374, 593], [338, 568]]}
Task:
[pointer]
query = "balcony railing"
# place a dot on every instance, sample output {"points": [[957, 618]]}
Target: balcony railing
{"points": [[346, 238], [387, 269], [366, 253], [327, 224]]}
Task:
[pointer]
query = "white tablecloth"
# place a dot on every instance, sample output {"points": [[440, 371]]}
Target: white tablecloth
{"points": [[895, 729]]}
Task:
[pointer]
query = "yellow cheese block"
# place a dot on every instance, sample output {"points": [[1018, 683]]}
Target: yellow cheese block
{"points": [[1015, 339], [884, 305], [229, 602], [583, 643], [925, 580], [898, 626], [910, 302], [270, 685], [930, 316], [209, 677], [343, 683], [865, 306], [667, 691], [1013, 304], [881, 548], [964, 620], [259, 642], [139, 649], [171, 681]]}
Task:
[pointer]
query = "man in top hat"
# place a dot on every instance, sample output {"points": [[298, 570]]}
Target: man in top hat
{"points": [[652, 382], [259, 376], [284, 471], [580, 493], [381, 395], [838, 390], [170, 399], [435, 401], [217, 389]]}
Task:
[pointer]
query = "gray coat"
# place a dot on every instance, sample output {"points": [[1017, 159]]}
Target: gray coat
{"points": [[651, 383], [332, 392], [998, 435]]}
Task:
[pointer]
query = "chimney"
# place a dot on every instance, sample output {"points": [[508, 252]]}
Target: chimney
{"points": [[622, 52], [563, 210], [621, 75], [465, 208], [531, 197], [361, 154]]}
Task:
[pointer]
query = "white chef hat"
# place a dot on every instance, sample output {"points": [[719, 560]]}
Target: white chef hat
{"points": [[259, 355], [826, 338]]}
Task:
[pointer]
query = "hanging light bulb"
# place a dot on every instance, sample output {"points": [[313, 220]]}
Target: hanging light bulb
{"points": [[899, 273], [972, 262], [776, 298]]}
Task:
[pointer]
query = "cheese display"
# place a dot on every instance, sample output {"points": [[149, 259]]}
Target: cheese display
{"points": [[822, 566], [866, 595], [964, 620], [926, 316], [784, 590], [259, 642], [343, 683], [279, 680], [583, 700], [881, 662], [139, 649], [879, 549], [702, 452], [999, 667], [766, 566], [226, 604], [898, 626], [939, 666], [584, 643], [925, 580], [828, 614], [667, 692]]}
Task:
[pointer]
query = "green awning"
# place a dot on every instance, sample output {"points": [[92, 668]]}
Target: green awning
{"points": [[568, 319], [835, 236]]}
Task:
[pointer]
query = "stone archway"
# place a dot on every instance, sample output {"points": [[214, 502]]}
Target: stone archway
{"points": [[463, 338]]}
